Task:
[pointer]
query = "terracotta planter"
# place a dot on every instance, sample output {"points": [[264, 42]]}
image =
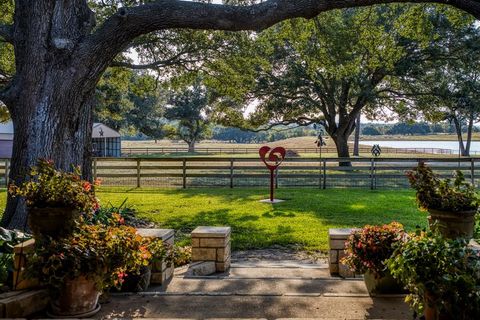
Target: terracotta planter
{"points": [[78, 298], [453, 224], [430, 311], [382, 285], [53, 222]]}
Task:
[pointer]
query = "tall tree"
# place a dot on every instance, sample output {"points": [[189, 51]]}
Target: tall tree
{"points": [[324, 70], [446, 85], [189, 108], [60, 55]]}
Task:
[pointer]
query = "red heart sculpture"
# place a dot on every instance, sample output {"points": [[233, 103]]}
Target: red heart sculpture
{"points": [[275, 156]]}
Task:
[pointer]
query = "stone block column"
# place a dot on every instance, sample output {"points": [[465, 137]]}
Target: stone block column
{"points": [[336, 241], [212, 244], [20, 252], [161, 271]]}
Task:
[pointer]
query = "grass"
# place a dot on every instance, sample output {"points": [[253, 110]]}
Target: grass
{"points": [[304, 219]]}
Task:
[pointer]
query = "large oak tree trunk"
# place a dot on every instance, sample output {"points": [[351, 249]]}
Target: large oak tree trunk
{"points": [[51, 95], [60, 131]]}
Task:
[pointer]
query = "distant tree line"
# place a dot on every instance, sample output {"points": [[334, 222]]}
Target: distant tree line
{"points": [[406, 128]]}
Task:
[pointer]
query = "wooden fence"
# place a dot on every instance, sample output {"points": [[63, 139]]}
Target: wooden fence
{"points": [[248, 172], [136, 151], [229, 172]]}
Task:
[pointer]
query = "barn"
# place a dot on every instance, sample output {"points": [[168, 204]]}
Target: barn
{"points": [[106, 142], [6, 139]]}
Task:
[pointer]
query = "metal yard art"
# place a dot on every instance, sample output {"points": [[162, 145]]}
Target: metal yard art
{"points": [[272, 158]]}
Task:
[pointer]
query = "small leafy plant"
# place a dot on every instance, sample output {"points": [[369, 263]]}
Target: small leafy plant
{"points": [[46, 186], [442, 194], [8, 239], [444, 270], [179, 256], [116, 215], [106, 254], [370, 247]]}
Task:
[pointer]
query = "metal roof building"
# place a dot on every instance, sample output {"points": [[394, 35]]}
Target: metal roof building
{"points": [[106, 142]]}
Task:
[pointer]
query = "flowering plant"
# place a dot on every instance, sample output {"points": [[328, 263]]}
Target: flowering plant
{"points": [[46, 186], [106, 254], [369, 247], [442, 194]]}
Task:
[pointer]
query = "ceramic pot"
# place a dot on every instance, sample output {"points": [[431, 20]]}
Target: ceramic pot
{"points": [[382, 285], [53, 222], [453, 225], [77, 298]]}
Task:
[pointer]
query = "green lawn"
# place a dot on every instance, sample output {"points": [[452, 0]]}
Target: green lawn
{"points": [[303, 219]]}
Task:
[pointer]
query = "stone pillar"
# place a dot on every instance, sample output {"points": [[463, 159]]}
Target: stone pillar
{"points": [[162, 272], [20, 252], [336, 240], [212, 244]]}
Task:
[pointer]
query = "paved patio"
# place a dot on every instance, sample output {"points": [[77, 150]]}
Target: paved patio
{"points": [[259, 289]]}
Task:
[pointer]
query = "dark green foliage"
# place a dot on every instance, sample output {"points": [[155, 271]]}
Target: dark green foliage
{"points": [[410, 129], [189, 107], [442, 194], [370, 131], [446, 270], [8, 239]]}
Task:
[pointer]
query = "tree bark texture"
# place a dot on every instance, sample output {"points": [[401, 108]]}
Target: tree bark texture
{"points": [[60, 57]]}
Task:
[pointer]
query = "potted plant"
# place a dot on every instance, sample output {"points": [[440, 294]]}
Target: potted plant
{"points": [[443, 276], [452, 204], [55, 199], [368, 249], [92, 259]]}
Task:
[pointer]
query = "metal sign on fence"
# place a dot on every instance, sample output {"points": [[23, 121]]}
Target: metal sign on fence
{"points": [[272, 158], [376, 150]]}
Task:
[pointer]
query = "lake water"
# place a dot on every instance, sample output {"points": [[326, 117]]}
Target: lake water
{"points": [[452, 145]]}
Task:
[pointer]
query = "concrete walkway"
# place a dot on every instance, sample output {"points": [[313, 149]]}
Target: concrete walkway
{"points": [[272, 290]]}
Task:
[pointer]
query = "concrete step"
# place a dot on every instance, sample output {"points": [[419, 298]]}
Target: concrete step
{"points": [[266, 287], [254, 307], [267, 271]]}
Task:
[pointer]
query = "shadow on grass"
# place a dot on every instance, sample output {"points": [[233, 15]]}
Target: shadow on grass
{"points": [[303, 219], [245, 232]]}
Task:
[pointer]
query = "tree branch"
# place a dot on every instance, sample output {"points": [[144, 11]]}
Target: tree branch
{"points": [[6, 32], [130, 22]]}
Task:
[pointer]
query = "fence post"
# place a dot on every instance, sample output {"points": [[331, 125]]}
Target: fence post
{"points": [[324, 174], [231, 173], [184, 173], [372, 162], [94, 168], [7, 164], [320, 175], [472, 170], [138, 173]]}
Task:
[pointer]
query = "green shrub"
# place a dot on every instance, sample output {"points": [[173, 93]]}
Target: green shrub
{"points": [[447, 270]]}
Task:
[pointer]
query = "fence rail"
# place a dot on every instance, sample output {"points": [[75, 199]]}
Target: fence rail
{"points": [[127, 152], [230, 172]]}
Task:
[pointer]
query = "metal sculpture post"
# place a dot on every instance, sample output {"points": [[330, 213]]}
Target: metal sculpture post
{"points": [[272, 158]]}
